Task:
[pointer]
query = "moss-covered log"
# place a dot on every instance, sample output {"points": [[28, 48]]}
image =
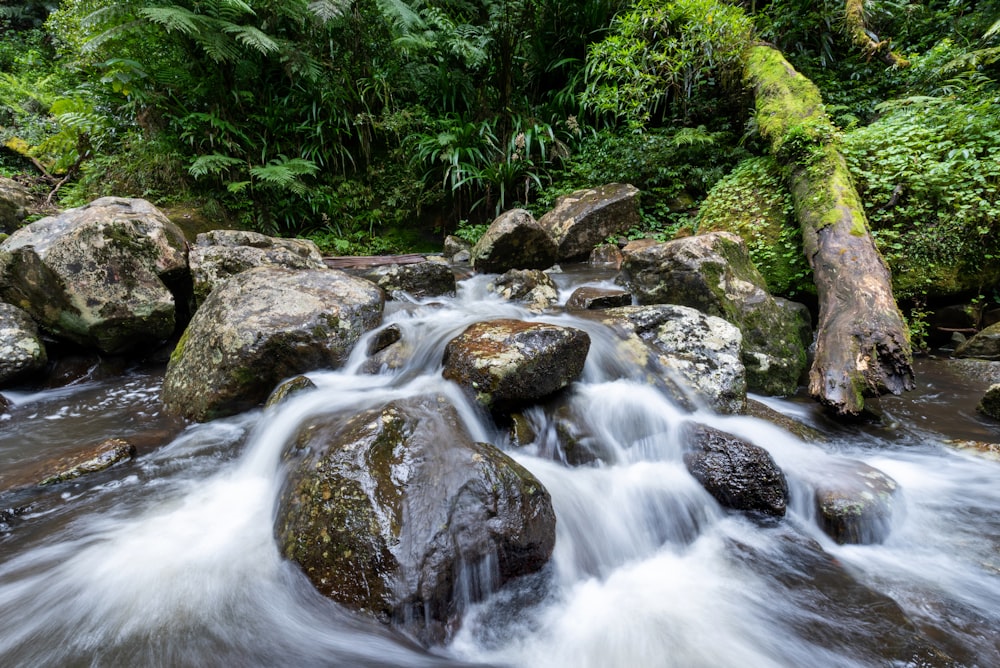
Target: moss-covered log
{"points": [[857, 29], [862, 347]]}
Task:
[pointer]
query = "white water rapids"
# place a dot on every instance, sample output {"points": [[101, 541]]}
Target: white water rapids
{"points": [[171, 561]]}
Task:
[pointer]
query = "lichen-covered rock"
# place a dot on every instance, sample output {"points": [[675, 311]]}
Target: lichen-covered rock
{"points": [[218, 254], [583, 219], [854, 502], [606, 255], [395, 511], [21, 349], [531, 287], [102, 456], [97, 275], [738, 474], [504, 363], [263, 325], [985, 345], [990, 404], [420, 279], [702, 352], [713, 273], [14, 202], [513, 241], [589, 298]]}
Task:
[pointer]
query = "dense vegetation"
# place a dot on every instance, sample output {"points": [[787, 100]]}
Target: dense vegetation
{"points": [[378, 125]]}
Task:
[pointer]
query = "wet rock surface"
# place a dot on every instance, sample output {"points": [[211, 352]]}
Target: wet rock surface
{"points": [[990, 404], [739, 474], [15, 200], [97, 275], [398, 513], [984, 345], [261, 326], [531, 287], [854, 502], [590, 298], [582, 220], [505, 363], [100, 457], [420, 279], [513, 241], [21, 349]]}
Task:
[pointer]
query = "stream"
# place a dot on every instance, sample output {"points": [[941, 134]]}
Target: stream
{"points": [[170, 560]]}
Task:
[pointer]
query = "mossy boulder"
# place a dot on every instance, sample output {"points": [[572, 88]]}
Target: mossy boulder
{"points": [[261, 326], [990, 404], [713, 274], [514, 240], [21, 349], [700, 352], [508, 363], [419, 279], [582, 220], [99, 275], [739, 474], [397, 513], [218, 254]]}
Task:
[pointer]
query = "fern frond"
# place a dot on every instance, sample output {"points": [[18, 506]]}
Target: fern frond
{"points": [[327, 10], [252, 37], [213, 163], [401, 16], [283, 173], [174, 18]]}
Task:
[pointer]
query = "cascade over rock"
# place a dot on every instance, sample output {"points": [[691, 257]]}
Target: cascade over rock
{"points": [[263, 325], [854, 502], [713, 273], [582, 220], [531, 287], [504, 363], [21, 349], [395, 511], [514, 240], [218, 254], [97, 275]]}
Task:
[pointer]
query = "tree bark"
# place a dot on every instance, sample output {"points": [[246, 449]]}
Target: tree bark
{"points": [[854, 17], [862, 345]]}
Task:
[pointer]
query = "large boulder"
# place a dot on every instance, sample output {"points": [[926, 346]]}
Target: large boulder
{"points": [[584, 219], [397, 513], [14, 202], [21, 349], [701, 352], [738, 474], [97, 275], [713, 273], [531, 287], [513, 241], [263, 325], [504, 363], [985, 345], [218, 254], [854, 501], [419, 279]]}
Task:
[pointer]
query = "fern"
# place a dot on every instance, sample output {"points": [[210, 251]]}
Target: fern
{"points": [[252, 37], [213, 163], [283, 173], [327, 10]]}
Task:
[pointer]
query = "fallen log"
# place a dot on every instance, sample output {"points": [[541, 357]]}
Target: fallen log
{"points": [[862, 345], [369, 261], [857, 29]]}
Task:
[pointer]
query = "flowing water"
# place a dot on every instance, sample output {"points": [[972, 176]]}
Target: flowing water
{"points": [[171, 561]]}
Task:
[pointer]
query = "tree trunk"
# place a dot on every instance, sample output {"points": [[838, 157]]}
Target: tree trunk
{"points": [[862, 346], [854, 17]]}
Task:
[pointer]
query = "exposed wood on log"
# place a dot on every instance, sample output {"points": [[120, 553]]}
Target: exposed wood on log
{"points": [[367, 261], [857, 29], [862, 347]]}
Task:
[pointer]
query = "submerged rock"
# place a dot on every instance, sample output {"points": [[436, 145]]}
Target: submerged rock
{"points": [[854, 502], [713, 273], [584, 219], [21, 349], [102, 456], [397, 513], [288, 389], [531, 287], [504, 363], [263, 325], [738, 474], [97, 275], [513, 241]]}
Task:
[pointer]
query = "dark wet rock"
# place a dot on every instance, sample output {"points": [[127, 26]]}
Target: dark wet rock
{"points": [[97, 275], [21, 348], [990, 403], [397, 513], [513, 241], [504, 363], [763, 412], [590, 298], [531, 287], [522, 431], [4, 405], [218, 254], [263, 325], [854, 502], [383, 338], [985, 345], [420, 279], [15, 200], [287, 389], [738, 474], [102, 456], [606, 255], [582, 220], [713, 273], [702, 351]]}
